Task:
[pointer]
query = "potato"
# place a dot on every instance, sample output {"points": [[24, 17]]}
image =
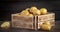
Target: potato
{"points": [[30, 15], [5, 25], [32, 9], [43, 11], [24, 13], [46, 26], [36, 12]]}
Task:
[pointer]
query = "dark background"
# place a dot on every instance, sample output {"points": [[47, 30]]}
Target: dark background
{"points": [[8, 7]]}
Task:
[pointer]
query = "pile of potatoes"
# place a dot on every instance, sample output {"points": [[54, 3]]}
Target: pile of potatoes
{"points": [[32, 11]]}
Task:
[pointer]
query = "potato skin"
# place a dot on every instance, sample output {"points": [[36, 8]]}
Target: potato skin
{"points": [[32, 9], [24, 13], [43, 11], [35, 11], [46, 25], [5, 25], [30, 15]]}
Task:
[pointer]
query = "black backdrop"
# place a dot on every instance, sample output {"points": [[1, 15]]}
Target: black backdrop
{"points": [[10, 7]]}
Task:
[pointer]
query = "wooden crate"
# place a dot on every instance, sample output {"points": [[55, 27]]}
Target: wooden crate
{"points": [[31, 22]]}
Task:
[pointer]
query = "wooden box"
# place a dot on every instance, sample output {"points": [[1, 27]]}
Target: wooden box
{"points": [[32, 22]]}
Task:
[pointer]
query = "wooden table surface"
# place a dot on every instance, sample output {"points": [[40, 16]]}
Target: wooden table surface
{"points": [[56, 28]]}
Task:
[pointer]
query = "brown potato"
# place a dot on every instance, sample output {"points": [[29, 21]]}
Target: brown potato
{"points": [[43, 11]]}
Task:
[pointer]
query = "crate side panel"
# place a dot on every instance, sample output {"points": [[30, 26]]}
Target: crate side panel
{"points": [[46, 17], [22, 22]]}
